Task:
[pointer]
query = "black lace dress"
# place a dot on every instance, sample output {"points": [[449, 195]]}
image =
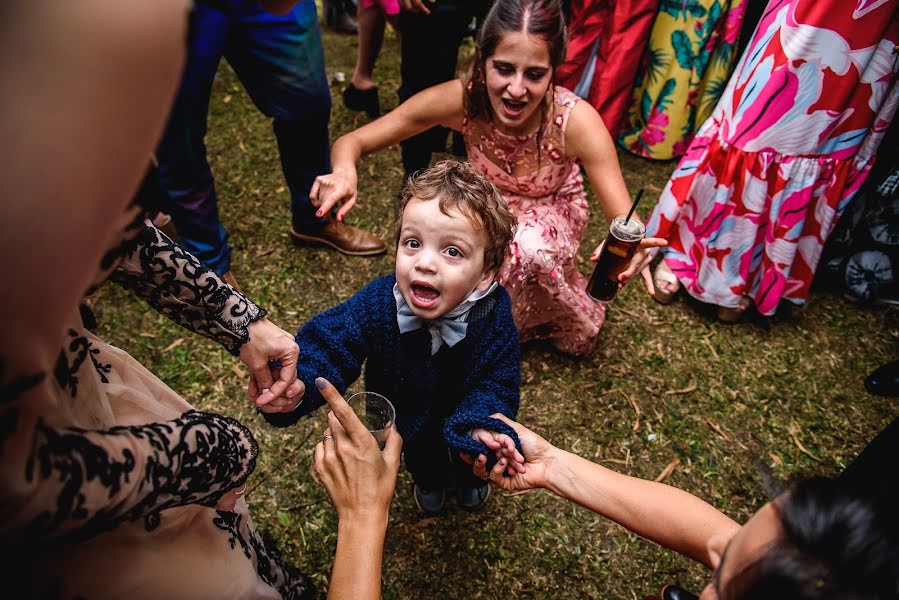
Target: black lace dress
{"points": [[109, 477]]}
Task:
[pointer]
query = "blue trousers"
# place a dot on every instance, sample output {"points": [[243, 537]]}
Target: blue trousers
{"points": [[280, 62]]}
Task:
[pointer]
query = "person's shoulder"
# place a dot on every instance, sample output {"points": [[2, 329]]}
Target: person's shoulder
{"points": [[565, 98], [378, 293], [371, 295], [495, 308], [379, 284]]}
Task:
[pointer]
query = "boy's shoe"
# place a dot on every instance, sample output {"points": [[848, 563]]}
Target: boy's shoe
{"points": [[473, 499], [430, 502]]}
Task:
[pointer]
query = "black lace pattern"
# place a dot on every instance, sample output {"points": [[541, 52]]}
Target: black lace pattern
{"points": [[179, 286], [126, 473]]}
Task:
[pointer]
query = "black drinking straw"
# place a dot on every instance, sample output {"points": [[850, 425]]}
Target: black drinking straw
{"points": [[633, 206]]}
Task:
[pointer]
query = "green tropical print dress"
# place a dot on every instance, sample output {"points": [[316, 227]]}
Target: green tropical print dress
{"points": [[685, 68]]}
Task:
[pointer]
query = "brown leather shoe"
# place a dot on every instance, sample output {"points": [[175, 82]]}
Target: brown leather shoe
{"points": [[343, 238]]}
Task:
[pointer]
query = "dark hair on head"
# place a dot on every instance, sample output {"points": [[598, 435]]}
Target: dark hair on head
{"points": [[835, 544], [457, 186], [540, 18]]}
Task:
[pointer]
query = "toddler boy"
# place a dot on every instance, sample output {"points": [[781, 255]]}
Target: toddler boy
{"points": [[437, 336]]}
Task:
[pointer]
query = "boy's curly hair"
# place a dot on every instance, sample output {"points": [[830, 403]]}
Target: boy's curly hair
{"points": [[456, 185]]}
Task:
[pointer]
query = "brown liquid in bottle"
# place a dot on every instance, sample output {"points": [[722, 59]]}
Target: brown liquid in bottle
{"points": [[620, 246]]}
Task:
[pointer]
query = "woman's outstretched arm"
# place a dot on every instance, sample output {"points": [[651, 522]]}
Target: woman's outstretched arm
{"points": [[360, 480], [437, 105], [587, 138], [658, 512]]}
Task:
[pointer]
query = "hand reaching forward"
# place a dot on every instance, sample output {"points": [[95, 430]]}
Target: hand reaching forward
{"points": [[336, 187], [639, 263], [359, 478], [271, 355], [503, 448], [538, 456]]}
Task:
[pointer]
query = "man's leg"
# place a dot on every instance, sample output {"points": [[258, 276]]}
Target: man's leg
{"points": [[184, 172], [280, 61], [429, 50]]}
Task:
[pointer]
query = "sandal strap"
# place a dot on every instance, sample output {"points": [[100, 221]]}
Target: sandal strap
{"points": [[665, 275]]}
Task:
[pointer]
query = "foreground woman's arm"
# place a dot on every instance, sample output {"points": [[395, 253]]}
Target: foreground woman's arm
{"points": [[360, 480], [658, 512]]}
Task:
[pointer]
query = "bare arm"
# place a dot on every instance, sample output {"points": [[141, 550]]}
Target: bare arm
{"points": [[658, 512], [438, 105], [587, 138], [360, 480], [655, 511]]}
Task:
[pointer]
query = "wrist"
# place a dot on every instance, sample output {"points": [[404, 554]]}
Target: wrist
{"points": [[556, 471], [368, 521]]}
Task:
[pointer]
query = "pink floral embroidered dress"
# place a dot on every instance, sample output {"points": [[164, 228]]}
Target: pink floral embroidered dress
{"points": [[748, 209], [545, 191]]}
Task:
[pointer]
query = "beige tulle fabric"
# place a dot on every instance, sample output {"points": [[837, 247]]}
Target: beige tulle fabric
{"points": [[108, 478]]}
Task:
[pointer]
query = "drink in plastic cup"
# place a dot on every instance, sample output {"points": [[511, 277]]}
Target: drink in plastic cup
{"points": [[617, 252], [376, 413]]}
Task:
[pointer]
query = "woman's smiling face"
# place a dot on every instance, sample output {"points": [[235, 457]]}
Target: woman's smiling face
{"points": [[518, 75]]}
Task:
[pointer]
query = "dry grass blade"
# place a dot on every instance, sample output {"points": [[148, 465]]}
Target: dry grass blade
{"points": [[668, 470], [793, 431], [173, 345], [636, 425], [686, 390], [717, 429]]}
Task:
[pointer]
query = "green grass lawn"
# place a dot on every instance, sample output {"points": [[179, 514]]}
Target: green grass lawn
{"points": [[729, 402]]}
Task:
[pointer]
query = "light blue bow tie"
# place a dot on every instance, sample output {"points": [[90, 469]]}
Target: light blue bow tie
{"points": [[449, 331]]}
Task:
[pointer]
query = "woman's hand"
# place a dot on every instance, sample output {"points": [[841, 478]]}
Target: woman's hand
{"points": [[640, 261], [538, 456], [271, 355], [359, 477], [339, 186]]}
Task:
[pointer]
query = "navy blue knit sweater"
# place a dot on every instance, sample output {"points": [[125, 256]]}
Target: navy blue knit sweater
{"points": [[462, 385]]}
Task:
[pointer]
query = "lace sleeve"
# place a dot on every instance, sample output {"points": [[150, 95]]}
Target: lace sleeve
{"points": [[179, 286], [71, 484]]}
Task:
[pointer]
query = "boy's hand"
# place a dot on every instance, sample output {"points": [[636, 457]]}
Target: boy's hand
{"points": [[539, 454], [503, 448]]}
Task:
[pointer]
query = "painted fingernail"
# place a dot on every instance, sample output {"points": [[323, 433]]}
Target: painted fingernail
{"points": [[318, 214], [502, 463], [320, 383]]}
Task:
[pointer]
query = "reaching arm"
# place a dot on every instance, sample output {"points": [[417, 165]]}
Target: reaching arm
{"points": [[658, 512], [492, 383], [335, 344], [587, 138], [180, 287], [360, 480], [437, 105]]}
